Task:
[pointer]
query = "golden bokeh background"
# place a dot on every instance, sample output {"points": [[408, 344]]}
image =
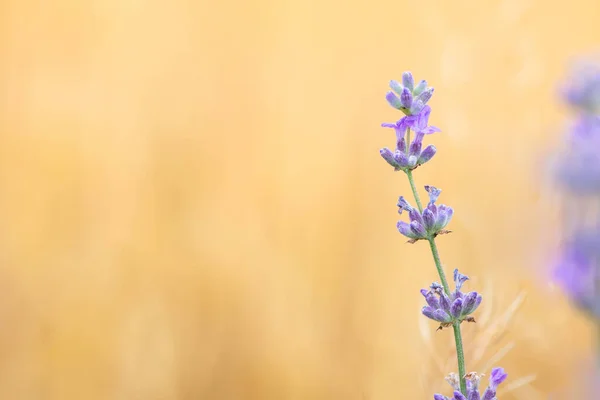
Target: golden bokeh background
{"points": [[192, 204]]}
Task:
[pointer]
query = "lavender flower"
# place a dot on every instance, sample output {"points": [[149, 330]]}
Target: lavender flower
{"points": [[496, 378], [577, 169], [455, 307], [578, 268], [583, 88], [407, 97], [427, 224]]}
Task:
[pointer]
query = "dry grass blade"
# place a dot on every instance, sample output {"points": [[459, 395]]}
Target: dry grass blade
{"points": [[498, 356]]}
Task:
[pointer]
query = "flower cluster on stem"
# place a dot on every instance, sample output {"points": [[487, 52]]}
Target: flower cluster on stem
{"points": [[443, 306]]}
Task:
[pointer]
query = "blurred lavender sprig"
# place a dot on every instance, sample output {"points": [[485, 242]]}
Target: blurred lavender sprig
{"points": [[443, 306]]}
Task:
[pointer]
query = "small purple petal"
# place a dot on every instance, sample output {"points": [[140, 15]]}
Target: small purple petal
{"points": [[394, 100], [438, 396], [459, 279], [430, 129]]}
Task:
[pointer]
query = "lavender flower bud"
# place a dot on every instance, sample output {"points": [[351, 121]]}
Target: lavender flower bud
{"points": [[433, 193], [456, 308], [389, 157], [430, 299], [459, 396], [412, 161], [445, 302], [406, 98], [418, 230], [396, 87], [401, 159], [497, 377], [429, 220], [469, 303], [408, 81], [453, 380], [489, 394], [425, 96], [439, 397], [441, 316], [393, 100], [421, 86], [427, 154], [404, 228]]}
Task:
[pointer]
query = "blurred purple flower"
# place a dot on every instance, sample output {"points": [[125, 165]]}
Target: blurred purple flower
{"points": [[577, 168], [582, 87], [577, 270]]}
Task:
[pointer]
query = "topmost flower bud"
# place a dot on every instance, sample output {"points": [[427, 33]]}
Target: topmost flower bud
{"points": [[408, 81], [414, 97]]}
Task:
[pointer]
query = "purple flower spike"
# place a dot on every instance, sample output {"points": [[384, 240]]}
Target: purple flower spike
{"points": [[404, 228], [433, 218], [428, 312], [394, 100], [441, 316], [456, 304], [418, 230]]}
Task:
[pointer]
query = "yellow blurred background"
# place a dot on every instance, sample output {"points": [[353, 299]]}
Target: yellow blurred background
{"points": [[192, 203]]}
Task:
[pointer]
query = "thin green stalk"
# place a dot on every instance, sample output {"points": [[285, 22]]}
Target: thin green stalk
{"points": [[460, 355], [414, 190]]}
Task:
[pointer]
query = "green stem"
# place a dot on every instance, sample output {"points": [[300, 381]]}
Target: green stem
{"points": [[414, 190], [460, 355]]}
